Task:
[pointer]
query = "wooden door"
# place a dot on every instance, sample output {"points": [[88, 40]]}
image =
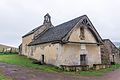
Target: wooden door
{"points": [[43, 59]]}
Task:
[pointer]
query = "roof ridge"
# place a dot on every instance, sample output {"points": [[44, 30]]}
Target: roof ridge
{"points": [[71, 20]]}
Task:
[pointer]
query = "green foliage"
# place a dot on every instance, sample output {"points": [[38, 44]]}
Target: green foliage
{"points": [[2, 77], [8, 53]]}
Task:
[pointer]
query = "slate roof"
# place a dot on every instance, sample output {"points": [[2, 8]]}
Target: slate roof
{"points": [[57, 33], [32, 31], [108, 40]]}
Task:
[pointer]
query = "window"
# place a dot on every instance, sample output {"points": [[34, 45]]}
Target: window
{"points": [[82, 33], [83, 59]]}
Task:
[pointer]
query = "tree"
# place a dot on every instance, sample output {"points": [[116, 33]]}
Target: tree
{"points": [[10, 50], [3, 50]]}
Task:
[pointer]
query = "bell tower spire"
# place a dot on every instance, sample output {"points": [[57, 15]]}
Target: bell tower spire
{"points": [[47, 18], [47, 21]]}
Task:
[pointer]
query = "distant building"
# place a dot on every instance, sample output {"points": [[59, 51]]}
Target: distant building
{"points": [[109, 52], [75, 42]]}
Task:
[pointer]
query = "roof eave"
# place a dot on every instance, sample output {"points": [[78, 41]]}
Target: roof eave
{"points": [[52, 42], [27, 35]]}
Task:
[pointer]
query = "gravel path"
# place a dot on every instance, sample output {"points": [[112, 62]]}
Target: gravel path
{"points": [[21, 73]]}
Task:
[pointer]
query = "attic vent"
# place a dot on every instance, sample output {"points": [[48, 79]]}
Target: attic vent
{"points": [[85, 22]]}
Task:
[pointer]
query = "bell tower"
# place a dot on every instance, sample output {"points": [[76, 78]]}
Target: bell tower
{"points": [[47, 21], [46, 25], [47, 18]]}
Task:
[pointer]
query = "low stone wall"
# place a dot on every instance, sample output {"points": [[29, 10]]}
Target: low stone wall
{"points": [[84, 67], [100, 66], [75, 67]]}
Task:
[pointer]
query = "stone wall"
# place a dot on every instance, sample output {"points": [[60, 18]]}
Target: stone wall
{"points": [[108, 50], [75, 35], [105, 56], [49, 51], [91, 50], [70, 54], [25, 41], [94, 55]]}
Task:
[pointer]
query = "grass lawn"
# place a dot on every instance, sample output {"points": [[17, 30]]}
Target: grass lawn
{"points": [[100, 72], [25, 62], [2, 77]]}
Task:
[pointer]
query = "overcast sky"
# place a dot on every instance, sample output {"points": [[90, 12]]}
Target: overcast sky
{"points": [[17, 17]]}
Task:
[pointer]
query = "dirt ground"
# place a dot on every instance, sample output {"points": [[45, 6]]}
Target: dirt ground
{"points": [[21, 73]]}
